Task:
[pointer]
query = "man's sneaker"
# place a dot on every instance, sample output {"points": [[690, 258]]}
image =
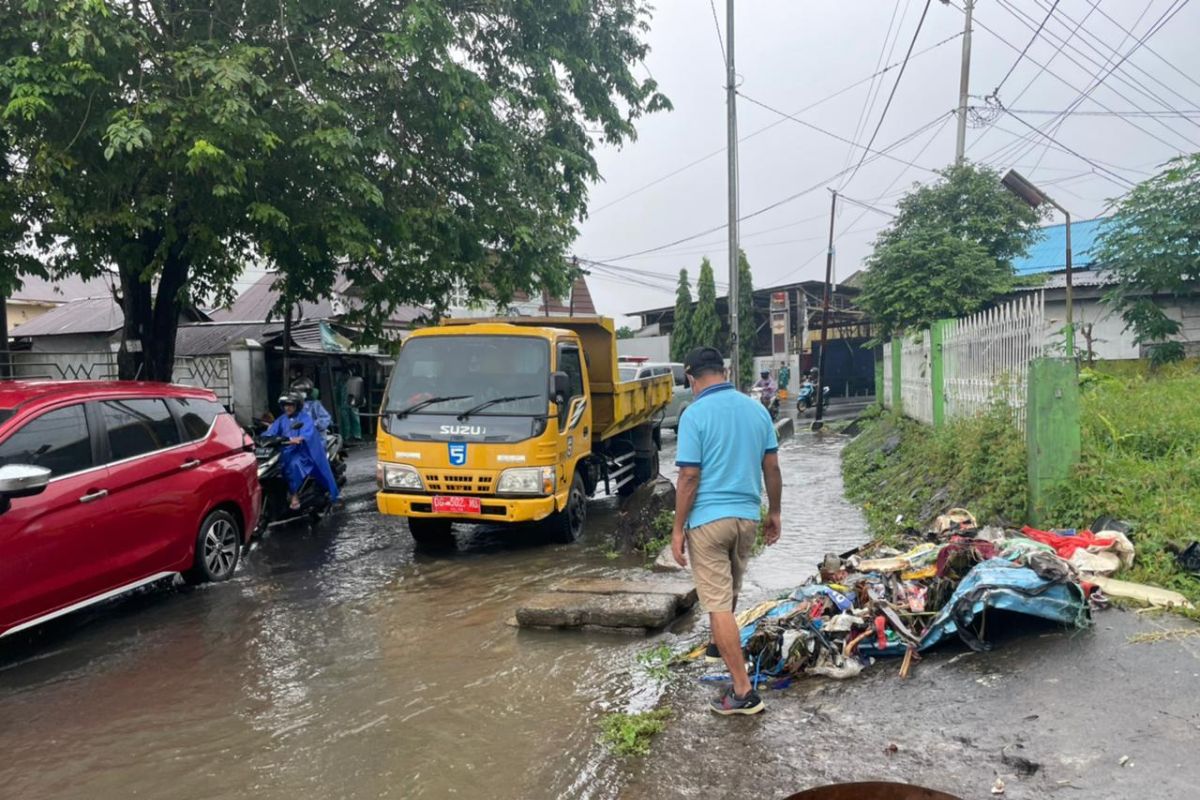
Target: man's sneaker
{"points": [[729, 703]]}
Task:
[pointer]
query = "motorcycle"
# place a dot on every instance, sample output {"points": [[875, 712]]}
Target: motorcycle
{"points": [[770, 401], [806, 398], [314, 500]]}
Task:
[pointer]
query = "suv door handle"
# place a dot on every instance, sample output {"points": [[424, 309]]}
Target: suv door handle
{"points": [[191, 463], [92, 497]]}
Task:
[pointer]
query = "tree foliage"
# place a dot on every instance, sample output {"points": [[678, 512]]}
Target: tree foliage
{"points": [[1152, 244], [706, 326], [625, 332], [681, 330], [747, 324], [400, 146], [948, 252]]}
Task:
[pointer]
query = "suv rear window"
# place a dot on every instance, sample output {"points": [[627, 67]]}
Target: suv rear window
{"points": [[57, 440], [137, 426], [197, 415]]}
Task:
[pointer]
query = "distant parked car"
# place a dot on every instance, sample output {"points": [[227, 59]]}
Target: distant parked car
{"points": [[108, 486], [682, 397]]}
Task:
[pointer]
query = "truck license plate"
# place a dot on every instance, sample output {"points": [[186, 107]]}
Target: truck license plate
{"points": [[457, 505]]}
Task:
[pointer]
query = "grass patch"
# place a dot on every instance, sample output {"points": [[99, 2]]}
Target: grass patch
{"points": [[898, 469], [656, 662], [1141, 463], [630, 734]]}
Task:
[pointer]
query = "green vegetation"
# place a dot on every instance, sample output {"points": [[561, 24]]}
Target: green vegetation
{"points": [[705, 325], [656, 662], [1140, 463], [630, 734], [1150, 244], [901, 469], [681, 331], [747, 324], [949, 251], [411, 147]]}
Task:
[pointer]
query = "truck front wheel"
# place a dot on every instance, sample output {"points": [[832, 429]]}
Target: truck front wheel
{"points": [[566, 526], [432, 534]]}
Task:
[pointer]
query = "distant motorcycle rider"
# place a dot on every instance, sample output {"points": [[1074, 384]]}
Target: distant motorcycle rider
{"points": [[305, 454], [766, 384], [312, 404]]}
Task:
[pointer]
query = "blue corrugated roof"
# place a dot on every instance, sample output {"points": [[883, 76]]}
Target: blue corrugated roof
{"points": [[1048, 254]]}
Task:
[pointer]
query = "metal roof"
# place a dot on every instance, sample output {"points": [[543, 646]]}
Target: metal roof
{"points": [[1049, 253], [35, 289], [89, 315], [209, 338], [256, 303]]}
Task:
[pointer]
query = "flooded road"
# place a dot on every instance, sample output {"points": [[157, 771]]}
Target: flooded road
{"points": [[341, 663]]}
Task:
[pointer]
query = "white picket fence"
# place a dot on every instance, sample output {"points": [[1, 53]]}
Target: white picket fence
{"points": [[984, 357], [916, 379]]}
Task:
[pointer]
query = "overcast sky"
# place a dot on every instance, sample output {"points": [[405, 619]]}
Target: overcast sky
{"points": [[793, 53]]}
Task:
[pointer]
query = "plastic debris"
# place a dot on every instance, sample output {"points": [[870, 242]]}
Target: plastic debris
{"points": [[998, 786]]}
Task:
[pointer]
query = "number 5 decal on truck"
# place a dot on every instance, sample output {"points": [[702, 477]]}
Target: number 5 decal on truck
{"points": [[458, 454]]}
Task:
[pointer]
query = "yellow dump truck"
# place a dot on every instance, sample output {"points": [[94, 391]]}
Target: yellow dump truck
{"points": [[513, 420]]}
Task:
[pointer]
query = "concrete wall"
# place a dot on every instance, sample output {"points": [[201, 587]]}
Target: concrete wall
{"points": [[1110, 340], [655, 348], [21, 312]]}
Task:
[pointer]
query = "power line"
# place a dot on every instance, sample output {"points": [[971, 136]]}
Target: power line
{"points": [[1148, 48], [867, 206], [892, 94], [717, 24], [1180, 113], [766, 128], [781, 202], [872, 91], [1021, 56], [1003, 40], [850, 142], [1084, 158]]}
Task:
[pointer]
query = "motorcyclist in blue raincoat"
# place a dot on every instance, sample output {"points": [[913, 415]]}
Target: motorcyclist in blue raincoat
{"points": [[304, 456], [313, 405]]}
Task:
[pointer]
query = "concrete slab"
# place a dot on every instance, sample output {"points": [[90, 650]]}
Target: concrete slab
{"points": [[683, 591], [666, 563], [579, 609]]}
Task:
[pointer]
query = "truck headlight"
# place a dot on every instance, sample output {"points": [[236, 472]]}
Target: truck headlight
{"points": [[401, 476], [526, 480]]}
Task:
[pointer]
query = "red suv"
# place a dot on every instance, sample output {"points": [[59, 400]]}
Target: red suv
{"points": [[105, 487]]}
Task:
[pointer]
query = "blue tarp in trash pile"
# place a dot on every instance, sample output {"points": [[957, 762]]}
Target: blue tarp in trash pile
{"points": [[1000, 584]]}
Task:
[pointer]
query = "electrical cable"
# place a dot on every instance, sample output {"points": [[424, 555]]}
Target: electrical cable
{"points": [[892, 94], [768, 127], [717, 24], [872, 93], [782, 201], [1130, 184], [1021, 56]]}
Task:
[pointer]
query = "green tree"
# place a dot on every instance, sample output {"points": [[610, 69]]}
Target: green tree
{"points": [[681, 330], [624, 332], [706, 326], [747, 325], [1152, 244], [949, 251], [400, 146]]}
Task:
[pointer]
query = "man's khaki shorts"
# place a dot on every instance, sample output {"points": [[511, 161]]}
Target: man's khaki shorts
{"points": [[719, 552]]}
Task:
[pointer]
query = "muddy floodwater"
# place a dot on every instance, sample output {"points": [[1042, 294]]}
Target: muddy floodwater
{"points": [[342, 664]]}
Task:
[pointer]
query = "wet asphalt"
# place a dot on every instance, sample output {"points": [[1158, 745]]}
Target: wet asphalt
{"points": [[343, 663]]}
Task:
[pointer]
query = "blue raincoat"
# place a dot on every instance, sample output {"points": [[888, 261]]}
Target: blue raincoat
{"points": [[320, 416], [308, 458]]}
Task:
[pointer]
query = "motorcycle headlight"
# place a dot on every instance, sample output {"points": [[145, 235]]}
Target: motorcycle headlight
{"points": [[526, 480], [401, 476]]}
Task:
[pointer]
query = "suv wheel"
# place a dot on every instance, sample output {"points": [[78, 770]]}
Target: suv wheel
{"points": [[218, 548]]}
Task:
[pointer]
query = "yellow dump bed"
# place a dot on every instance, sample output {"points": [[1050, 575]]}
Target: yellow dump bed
{"points": [[617, 406]]}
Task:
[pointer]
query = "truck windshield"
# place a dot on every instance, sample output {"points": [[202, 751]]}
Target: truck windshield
{"points": [[474, 370], [628, 373]]}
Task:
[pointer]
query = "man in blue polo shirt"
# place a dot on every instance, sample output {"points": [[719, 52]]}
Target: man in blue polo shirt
{"points": [[726, 449]]}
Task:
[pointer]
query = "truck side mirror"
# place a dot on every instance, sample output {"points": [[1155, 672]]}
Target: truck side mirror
{"points": [[560, 386]]}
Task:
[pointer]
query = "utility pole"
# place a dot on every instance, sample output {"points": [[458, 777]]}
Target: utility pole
{"points": [[820, 387], [5, 359], [731, 150], [964, 85]]}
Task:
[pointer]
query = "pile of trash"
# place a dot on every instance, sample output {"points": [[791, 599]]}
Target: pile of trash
{"points": [[876, 602]]}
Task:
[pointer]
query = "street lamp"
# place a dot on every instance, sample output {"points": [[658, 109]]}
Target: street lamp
{"points": [[1022, 188]]}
